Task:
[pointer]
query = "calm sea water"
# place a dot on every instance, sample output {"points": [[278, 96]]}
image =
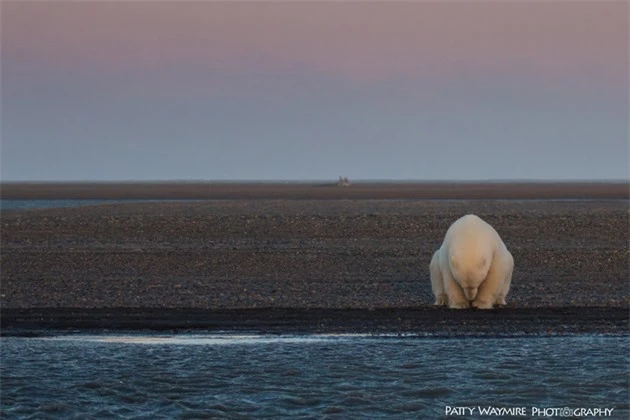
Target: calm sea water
{"points": [[236, 376], [57, 203]]}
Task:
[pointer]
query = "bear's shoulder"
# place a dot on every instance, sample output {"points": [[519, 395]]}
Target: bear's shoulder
{"points": [[469, 224]]}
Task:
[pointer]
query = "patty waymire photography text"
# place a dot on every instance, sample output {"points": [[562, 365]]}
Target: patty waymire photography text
{"points": [[528, 411]]}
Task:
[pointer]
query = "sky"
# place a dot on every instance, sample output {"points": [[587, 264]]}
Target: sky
{"points": [[271, 90]]}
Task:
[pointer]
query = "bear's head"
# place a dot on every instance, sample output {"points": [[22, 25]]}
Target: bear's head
{"points": [[470, 271]]}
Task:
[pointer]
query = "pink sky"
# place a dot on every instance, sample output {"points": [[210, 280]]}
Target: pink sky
{"points": [[364, 43], [177, 89]]}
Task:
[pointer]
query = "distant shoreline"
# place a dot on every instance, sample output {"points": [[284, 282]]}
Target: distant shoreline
{"points": [[317, 190]]}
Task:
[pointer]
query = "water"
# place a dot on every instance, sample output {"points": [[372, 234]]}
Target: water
{"points": [[31, 204], [241, 376], [42, 204]]}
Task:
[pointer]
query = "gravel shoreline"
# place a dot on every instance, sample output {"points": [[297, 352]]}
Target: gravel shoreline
{"points": [[419, 321], [261, 255], [429, 190]]}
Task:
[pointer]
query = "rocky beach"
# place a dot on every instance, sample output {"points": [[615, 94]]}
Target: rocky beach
{"points": [[325, 264]]}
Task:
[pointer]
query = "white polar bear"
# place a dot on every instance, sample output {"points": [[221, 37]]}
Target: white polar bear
{"points": [[472, 267]]}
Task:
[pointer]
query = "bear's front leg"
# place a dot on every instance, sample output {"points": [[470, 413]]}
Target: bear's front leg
{"points": [[486, 295], [456, 297], [509, 268], [437, 283], [482, 304], [441, 300], [493, 289]]}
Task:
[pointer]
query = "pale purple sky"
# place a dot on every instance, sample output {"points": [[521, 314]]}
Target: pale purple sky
{"points": [[225, 90]]}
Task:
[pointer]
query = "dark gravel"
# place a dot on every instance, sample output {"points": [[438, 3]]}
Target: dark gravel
{"points": [[419, 321], [303, 254]]}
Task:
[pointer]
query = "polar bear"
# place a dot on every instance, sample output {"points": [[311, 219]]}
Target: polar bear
{"points": [[472, 267]]}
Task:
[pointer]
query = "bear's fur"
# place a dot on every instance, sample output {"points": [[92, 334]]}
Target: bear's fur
{"points": [[472, 267]]}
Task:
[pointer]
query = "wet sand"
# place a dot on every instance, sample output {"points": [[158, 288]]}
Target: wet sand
{"points": [[307, 265]]}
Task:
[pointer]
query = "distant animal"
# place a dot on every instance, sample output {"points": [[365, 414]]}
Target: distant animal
{"points": [[472, 267]]}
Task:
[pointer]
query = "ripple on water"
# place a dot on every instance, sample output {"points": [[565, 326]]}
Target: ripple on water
{"points": [[201, 376]]}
